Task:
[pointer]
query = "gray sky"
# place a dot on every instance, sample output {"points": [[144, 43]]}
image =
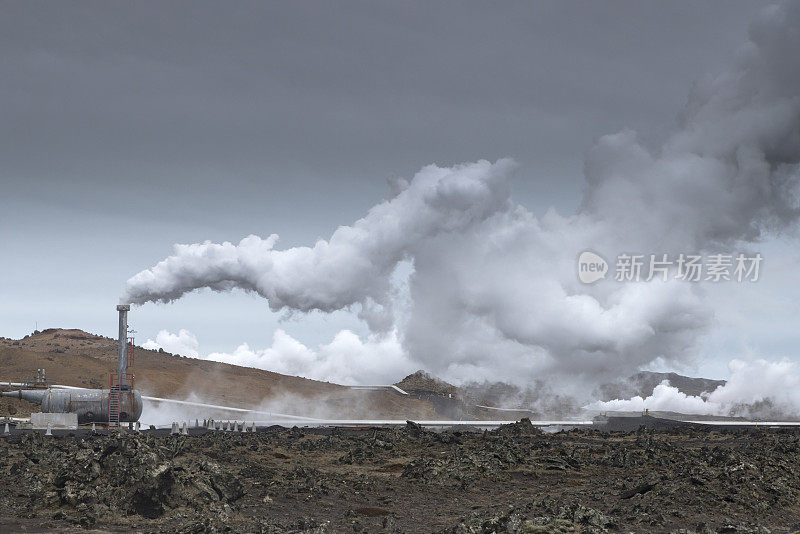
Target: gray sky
{"points": [[128, 127]]}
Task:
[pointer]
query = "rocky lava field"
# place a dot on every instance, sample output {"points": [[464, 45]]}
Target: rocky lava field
{"points": [[513, 479]]}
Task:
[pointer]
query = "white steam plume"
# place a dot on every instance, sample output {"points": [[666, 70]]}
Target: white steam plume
{"points": [[345, 360], [494, 293], [755, 389], [184, 343], [353, 266]]}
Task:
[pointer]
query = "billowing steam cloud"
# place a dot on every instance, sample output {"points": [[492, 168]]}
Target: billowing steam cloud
{"points": [[355, 265], [347, 359], [493, 293], [184, 343], [774, 394]]}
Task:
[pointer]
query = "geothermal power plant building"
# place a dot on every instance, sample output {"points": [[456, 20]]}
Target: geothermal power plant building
{"points": [[120, 403]]}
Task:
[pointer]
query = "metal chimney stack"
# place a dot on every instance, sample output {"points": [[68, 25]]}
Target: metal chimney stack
{"points": [[123, 310]]}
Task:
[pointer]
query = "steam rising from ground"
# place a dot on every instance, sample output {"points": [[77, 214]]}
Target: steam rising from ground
{"points": [[279, 407], [755, 389], [493, 293]]}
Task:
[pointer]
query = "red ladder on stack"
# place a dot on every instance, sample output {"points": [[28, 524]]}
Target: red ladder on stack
{"points": [[118, 384], [113, 402]]}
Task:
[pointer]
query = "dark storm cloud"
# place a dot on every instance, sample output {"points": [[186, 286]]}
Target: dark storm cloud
{"points": [[229, 101]]}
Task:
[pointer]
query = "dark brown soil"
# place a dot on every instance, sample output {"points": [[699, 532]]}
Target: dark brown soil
{"points": [[16, 407], [514, 479]]}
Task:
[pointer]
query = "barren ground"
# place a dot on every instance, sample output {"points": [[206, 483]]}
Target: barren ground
{"points": [[514, 479]]}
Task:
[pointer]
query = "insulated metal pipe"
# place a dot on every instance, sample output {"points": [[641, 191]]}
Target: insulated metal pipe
{"points": [[30, 395], [91, 405]]}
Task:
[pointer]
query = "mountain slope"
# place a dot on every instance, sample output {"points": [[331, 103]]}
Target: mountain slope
{"points": [[77, 358]]}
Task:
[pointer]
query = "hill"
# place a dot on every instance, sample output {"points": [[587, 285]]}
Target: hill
{"points": [[541, 400], [78, 358], [643, 383]]}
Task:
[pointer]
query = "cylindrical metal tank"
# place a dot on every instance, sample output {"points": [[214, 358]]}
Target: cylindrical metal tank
{"points": [[91, 405]]}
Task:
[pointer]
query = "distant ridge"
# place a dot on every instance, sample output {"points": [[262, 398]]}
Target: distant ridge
{"points": [[502, 394]]}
